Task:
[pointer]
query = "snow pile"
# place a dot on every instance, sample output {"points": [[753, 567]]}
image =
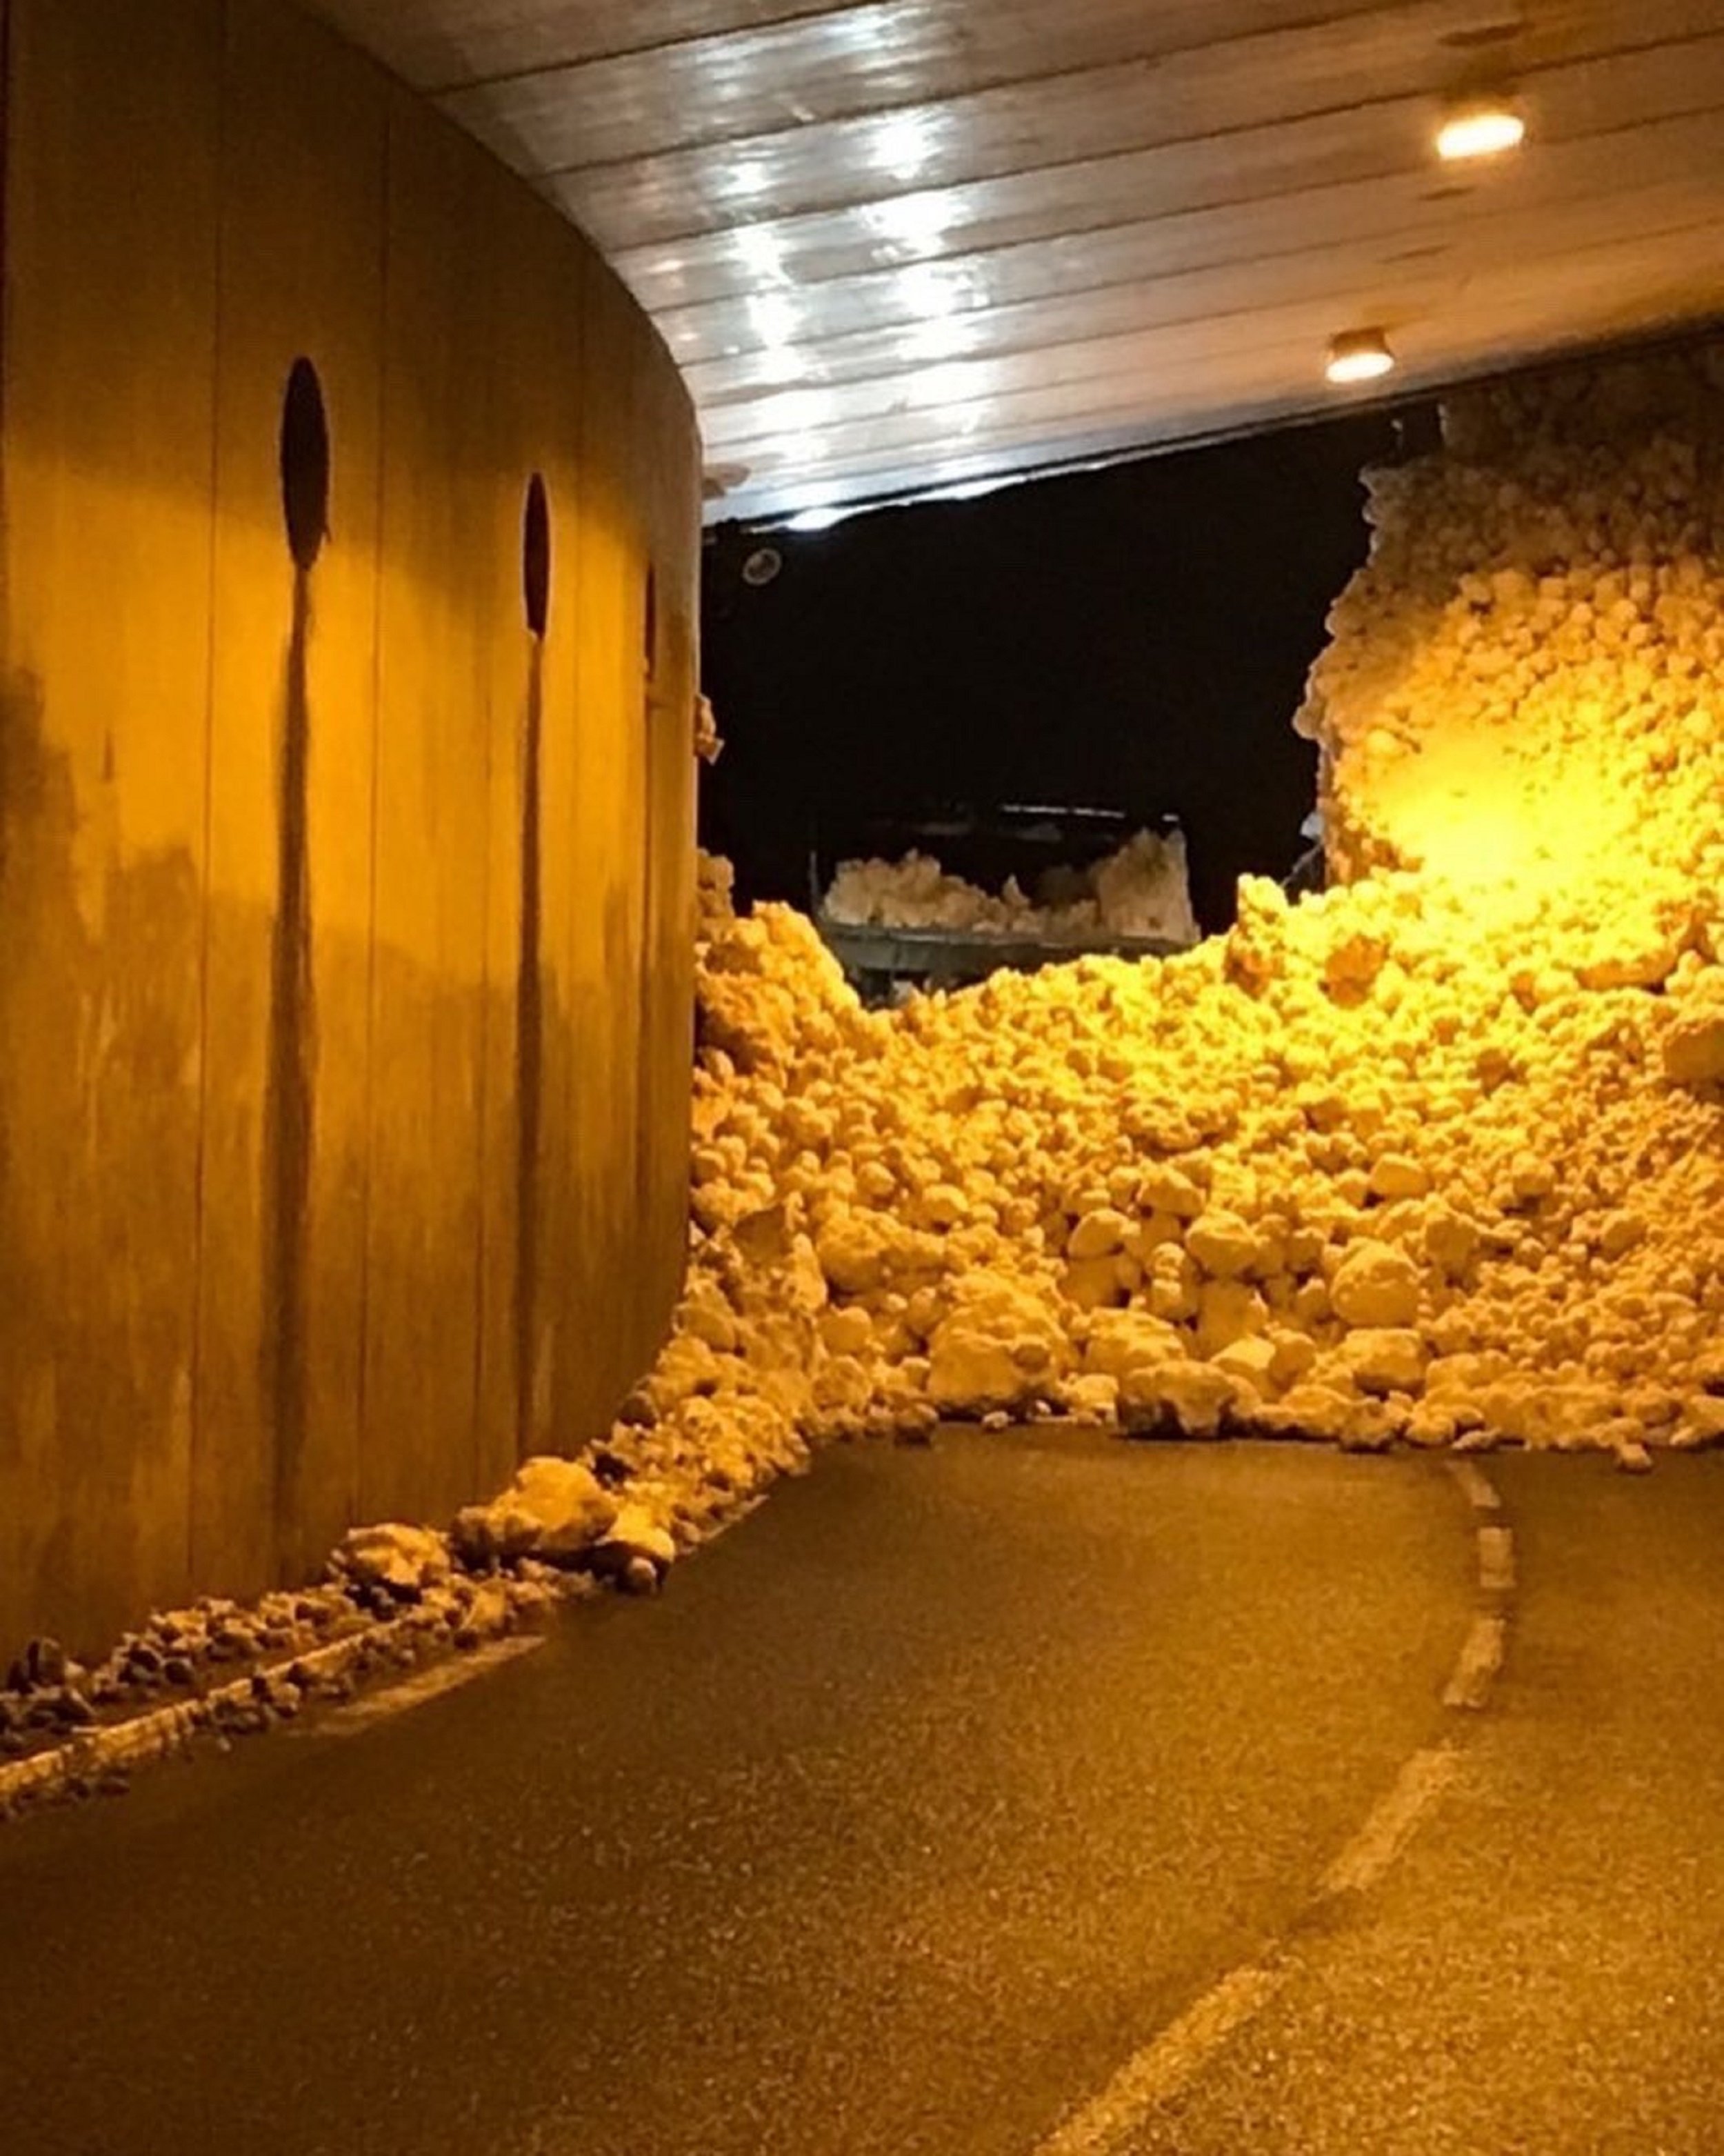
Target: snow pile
{"points": [[1144, 889], [394, 1594], [1385, 1164], [1526, 673], [1437, 1155]]}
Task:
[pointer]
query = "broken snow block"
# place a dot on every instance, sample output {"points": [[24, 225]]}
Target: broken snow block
{"points": [[405, 1560], [633, 1538]]}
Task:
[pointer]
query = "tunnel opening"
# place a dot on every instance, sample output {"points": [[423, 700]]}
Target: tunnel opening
{"points": [[1060, 724], [1118, 650]]}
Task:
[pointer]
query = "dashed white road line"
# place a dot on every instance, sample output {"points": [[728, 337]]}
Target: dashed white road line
{"points": [[1164, 2067], [1496, 1560], [1105, 2125], [1479, 1664], [426, 1684], [1389, 1825], [1475, 1485]]}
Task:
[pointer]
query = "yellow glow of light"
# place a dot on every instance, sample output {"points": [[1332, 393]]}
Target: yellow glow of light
{"points": [[1481, 130], [1359, 356]]}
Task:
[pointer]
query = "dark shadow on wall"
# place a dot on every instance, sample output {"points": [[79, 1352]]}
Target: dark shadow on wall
{"points": [[643, 1131], [612, 1239], [535, 543], [291, 1083], [99, 1026], [529, 1056], [44, 977], [290, 1087]]}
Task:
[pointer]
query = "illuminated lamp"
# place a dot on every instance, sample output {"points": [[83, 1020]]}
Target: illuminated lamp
{"points": [[1481, 127], [1359, 356]]}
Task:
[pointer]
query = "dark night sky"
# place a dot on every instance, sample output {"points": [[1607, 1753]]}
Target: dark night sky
{"points": [[1135, 638]]}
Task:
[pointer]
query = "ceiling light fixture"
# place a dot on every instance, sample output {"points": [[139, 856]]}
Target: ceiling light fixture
{"points": [[1359, 356], [1480, 127]]}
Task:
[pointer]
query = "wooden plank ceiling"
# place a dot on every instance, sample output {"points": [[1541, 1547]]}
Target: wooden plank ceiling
{"points": [[904, 245]]}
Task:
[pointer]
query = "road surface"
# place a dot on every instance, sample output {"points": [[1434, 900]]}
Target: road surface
{"points": [[976, 1802]]}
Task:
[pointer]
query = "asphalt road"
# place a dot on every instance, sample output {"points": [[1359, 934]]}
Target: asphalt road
{"points": [[1543, 1972], [920, 1805]]}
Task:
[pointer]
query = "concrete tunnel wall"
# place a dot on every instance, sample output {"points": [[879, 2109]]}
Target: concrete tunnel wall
{"points": [[345, 960]]}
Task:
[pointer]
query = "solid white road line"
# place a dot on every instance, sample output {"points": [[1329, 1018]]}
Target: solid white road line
{"points": [[359, 1714]]}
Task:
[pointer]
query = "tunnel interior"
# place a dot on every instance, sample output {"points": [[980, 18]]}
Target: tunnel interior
{"points": [[395, 1102]]}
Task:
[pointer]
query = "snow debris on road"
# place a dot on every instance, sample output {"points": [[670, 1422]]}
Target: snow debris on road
{"points": [[222, 1668], [1143, 888], [1434, 1157], [555, 1509]]}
